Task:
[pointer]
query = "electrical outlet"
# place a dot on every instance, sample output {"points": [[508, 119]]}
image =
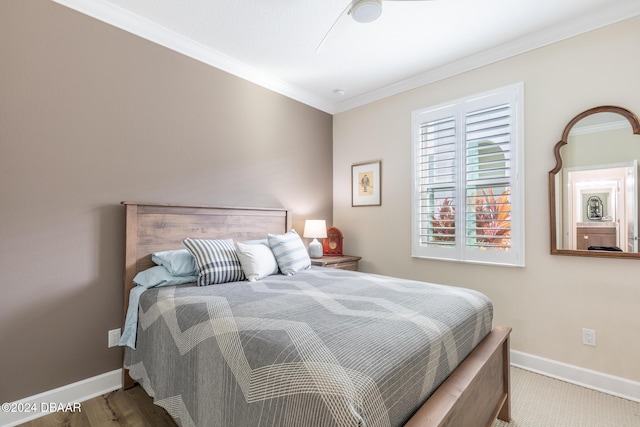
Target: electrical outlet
{"points": [[114, 337], [589, 337]]}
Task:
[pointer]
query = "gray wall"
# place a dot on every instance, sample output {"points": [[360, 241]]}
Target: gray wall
{"points": [[91, 116]]}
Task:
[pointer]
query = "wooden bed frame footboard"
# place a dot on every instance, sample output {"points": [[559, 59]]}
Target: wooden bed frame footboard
{"points": [[475, 393]]}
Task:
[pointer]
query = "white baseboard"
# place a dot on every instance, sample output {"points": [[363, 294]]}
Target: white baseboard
{"points": [[29, 408], [594, 380]]}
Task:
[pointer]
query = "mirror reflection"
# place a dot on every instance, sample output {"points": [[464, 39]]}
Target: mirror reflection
{"points": [[593, 190]]}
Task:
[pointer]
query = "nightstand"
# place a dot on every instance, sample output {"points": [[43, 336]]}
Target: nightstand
{"points": [[343, 262]]}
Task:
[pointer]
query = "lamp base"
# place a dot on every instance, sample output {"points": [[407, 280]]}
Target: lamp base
{"points": [[315, 249]]}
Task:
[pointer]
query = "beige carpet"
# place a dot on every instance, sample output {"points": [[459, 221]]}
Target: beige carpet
{"points": [[539, 401]]}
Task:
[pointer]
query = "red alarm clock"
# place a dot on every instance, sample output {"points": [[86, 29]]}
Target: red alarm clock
{"points": [[332, 245]]}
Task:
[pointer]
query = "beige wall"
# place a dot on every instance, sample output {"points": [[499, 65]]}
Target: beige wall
{"points": [[91, 116], [549, 301]]}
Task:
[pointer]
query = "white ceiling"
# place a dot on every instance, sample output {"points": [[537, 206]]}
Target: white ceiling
{"points": [[274, 42]]}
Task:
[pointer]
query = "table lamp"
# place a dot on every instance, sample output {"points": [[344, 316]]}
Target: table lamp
{"points": [[316, 229]]}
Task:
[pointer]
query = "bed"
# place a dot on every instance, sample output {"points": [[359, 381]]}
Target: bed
{"points": [[218, 375]]}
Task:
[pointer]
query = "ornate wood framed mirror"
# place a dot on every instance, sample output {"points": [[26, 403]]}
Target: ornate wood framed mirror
{"points": [[593, 189]]}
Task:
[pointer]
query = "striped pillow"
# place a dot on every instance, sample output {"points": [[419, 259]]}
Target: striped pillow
{"points": [[290, 252], [217, 261]]}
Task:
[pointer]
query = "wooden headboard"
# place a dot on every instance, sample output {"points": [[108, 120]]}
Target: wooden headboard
{"points": [[159, 227]]}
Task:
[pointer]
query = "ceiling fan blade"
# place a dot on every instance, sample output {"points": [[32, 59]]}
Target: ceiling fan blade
{"points": [[344, 12]]}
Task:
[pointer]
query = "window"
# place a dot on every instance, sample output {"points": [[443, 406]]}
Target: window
{"points": [[468, 198]]}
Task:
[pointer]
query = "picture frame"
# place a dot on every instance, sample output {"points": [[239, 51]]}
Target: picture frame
{"points": [[366, 183]]}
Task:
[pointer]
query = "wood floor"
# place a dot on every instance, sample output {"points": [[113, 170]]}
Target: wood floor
{"points": [[131, 408]]}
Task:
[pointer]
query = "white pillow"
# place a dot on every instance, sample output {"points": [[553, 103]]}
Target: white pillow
{"points": [[257, 260], [290, 252]]}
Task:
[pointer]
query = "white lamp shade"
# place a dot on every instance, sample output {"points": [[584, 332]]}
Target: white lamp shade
{"points": [[315, 228]]}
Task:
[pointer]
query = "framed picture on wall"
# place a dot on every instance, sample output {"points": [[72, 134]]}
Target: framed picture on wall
{"points": [[365, 184]]}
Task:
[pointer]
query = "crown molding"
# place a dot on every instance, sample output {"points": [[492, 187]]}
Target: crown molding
{"points": [[121, 18], [513, 48], [602, 127]]}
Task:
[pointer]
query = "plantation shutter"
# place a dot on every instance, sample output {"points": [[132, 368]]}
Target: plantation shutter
{"points": [[487, 178], [467, 199], [437, 182]]}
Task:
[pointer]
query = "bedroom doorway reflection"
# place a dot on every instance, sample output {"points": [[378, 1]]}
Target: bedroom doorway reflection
{"points": [[602, 207]]}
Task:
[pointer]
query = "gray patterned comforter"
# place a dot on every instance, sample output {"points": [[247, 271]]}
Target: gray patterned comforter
{"points": [[322, 348]]}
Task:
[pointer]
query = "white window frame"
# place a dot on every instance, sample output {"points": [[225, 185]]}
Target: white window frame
{"points": [[513, 96]]}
